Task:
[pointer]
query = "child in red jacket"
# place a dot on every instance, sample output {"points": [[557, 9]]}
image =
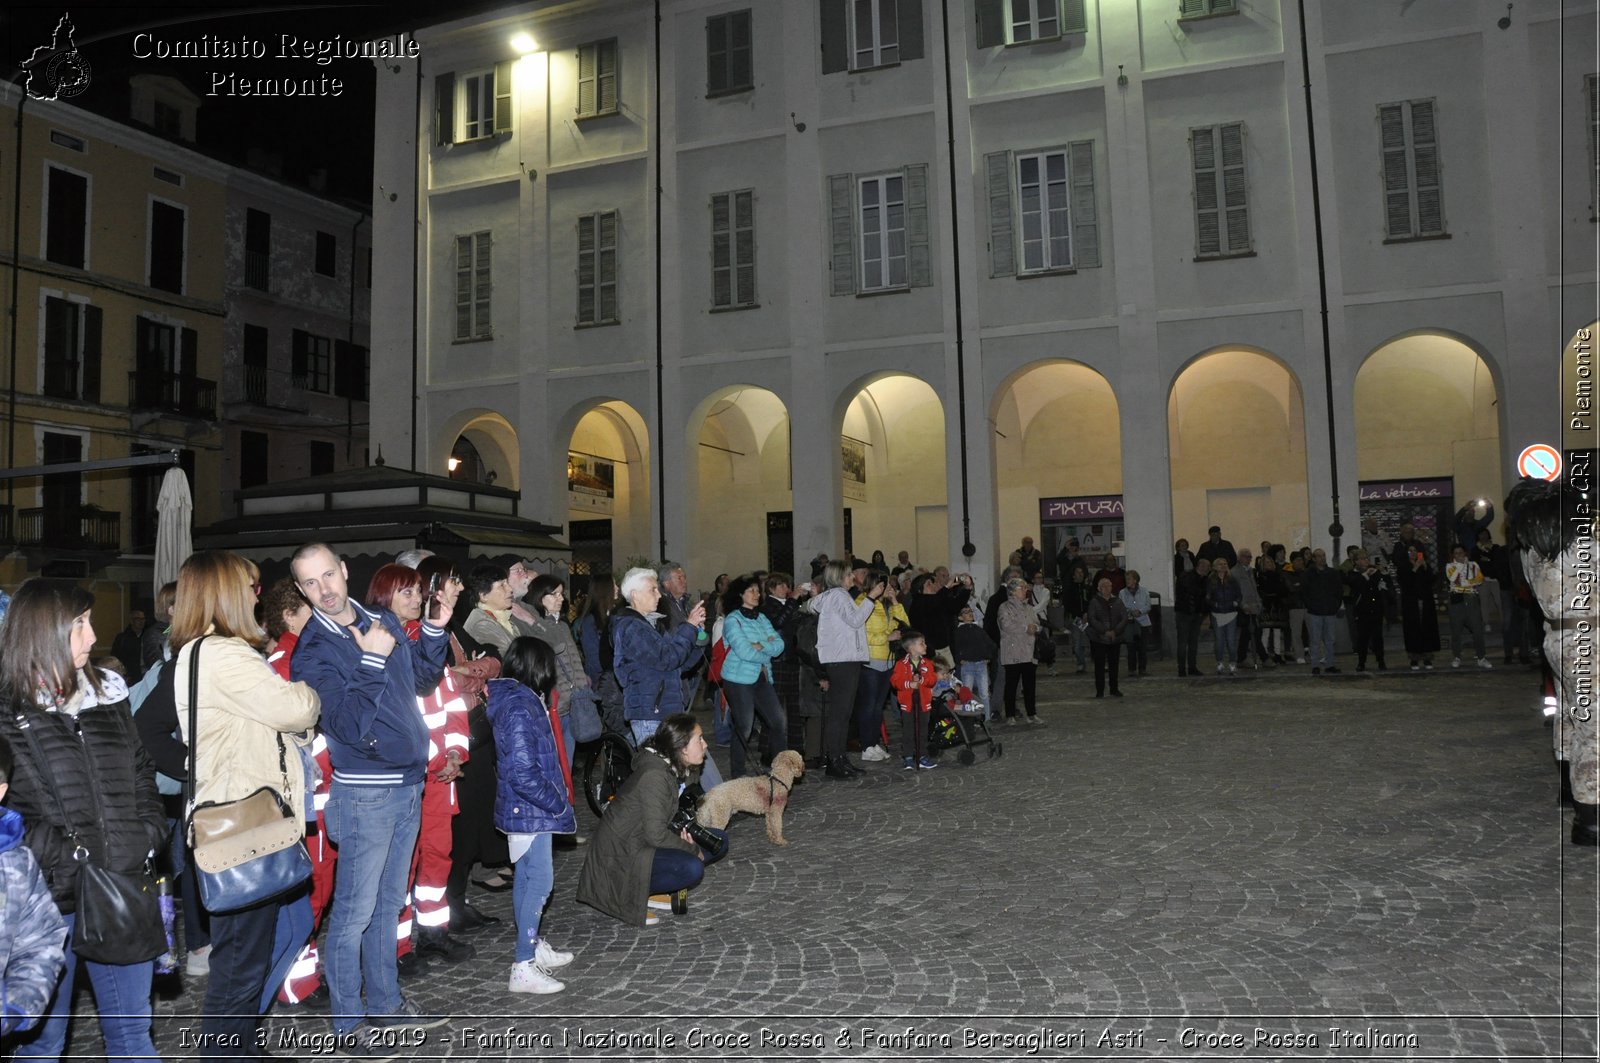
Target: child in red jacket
{"points": [[913, 680]]}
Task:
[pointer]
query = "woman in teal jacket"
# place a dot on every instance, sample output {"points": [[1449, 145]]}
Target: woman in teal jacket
{"points": [[747, 672]]}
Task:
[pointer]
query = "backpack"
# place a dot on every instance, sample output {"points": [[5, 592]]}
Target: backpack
{"points": [[804, 641], [719, 653]]}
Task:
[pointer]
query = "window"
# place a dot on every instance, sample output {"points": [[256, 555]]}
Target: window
{"points": [[66, 140], [597, 79], [1413, 200], [257, 249], [1221, 208], [1042, 211], [166, 357], [864, 34], [597, 269], [255, 364], [1206, 8], [322, 455], [733, 250], [1034, 20], [728, 65], [1591, 85], [168, 121], [168, 176], [350, 371], [166, 246], [312, 362], [878, 229], [253, 459], [71, 350], [327, 254], [66, 240], [472, 287], [475, 106]]}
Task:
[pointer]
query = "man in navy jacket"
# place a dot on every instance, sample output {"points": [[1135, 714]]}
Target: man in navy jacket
{"points": [[368, 675]]}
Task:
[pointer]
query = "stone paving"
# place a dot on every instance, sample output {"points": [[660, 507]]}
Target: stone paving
{"points": [[1269, 866]]}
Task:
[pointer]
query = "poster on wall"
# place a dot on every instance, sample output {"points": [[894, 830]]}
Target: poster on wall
{"points": [[591, 482], [853, 468]]}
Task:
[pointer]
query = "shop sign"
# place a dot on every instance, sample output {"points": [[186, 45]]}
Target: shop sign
{"points": [[1080, 508]]}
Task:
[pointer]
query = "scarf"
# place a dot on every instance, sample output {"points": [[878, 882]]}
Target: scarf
{"points": [[501, 617]]}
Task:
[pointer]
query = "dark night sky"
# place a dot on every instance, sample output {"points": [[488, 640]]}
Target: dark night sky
{"points": [[311, 133]]}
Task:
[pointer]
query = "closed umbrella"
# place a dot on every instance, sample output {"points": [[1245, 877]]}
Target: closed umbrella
{"points": [[174, 541]]}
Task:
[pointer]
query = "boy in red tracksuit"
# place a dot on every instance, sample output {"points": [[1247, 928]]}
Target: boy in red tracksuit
{"points": [[912, 682]]}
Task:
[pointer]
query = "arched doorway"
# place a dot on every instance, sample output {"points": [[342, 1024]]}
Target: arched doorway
{"points": [[486, 450], [1058, 460], [892, 469], [1236, 438], [744, 502], [608, 493]]}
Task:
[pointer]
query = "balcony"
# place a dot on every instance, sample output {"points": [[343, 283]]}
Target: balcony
{"points": [[82, 528], [272, 389], [185, 396], [258, 270]]}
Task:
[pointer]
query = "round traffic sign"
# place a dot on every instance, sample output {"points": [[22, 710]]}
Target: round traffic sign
{"points": [[1540, 461]]}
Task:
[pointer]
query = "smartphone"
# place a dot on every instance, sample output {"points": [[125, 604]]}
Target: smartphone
{"points": [[434, 583]]}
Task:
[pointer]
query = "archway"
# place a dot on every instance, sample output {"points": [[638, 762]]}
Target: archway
{"points": [[892, 468], [1058, 459], [744, 502], [1236, 440], [483, 449], [608, 493]]}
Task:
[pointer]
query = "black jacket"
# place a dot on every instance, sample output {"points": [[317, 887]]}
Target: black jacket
{"points": [[970, 643], [1369, 591], [1322, 589], [934, 615], [1189, 595], [1210, 551], [106, 785], [778, 613]]}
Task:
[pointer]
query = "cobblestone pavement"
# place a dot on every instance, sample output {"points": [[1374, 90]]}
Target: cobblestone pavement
{"points": [[1375, 865]]}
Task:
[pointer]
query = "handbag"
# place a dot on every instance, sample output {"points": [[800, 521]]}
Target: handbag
{"points": [[1044, 648], [585, 715], [246, 851], [118, 918]]}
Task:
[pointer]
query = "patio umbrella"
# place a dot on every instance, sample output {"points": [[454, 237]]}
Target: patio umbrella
{"points": [[174, 541]]}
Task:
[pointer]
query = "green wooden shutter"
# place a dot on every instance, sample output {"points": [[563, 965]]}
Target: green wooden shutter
{"points": [[1207, 211], [842, 232], [835, 36], [919, 264], [1002, 230], [91, 353], [1074, 16], [1425, 166], [911, 43], [502, 96], [1191, 8], [991, 16], [1085, 223], [587, 89], [1235, 191], [444, 108], [1396, 172]]}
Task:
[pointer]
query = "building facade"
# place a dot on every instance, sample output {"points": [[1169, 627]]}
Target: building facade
{"points": [[917, 274]]}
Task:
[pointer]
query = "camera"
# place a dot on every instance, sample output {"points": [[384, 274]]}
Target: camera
{"points": [[684, 820]]}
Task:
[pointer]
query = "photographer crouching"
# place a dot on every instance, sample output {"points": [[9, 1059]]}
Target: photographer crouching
{"points": [[645, 848]]}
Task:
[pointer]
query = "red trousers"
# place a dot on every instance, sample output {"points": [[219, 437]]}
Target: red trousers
{"points": [[306, 973], [430, 864]]}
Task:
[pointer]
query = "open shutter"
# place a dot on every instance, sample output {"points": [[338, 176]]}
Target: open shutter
{"points": [[587, 93], [444, 108], [1235, 205], [919, 265], [91, 353], [911, 44], [1425, 153], [1207, 209], [835, 36], [1002, 239], [502, 96], [1396, 175], [299, 358], [1085, 220], [1074, 18], [991, 23], [842, 232]]}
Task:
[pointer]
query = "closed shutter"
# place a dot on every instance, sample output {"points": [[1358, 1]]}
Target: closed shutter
{"points": [[1425, 156], [481, 288], [586, 268], [919, 266], [991, 23], [1074, 17], [92, 323], [1207, 212], [1235, 205], [835, 36], [717, 53], [721, 251], [1396, 174], [502, 96], [842, 233], [444, 108], [608, 267], [606, 76], [1191, 8], [741, 63], [1224, 7], [744, 248], [911, 43], [1085, 219], [1002, 235], [586, 80]]}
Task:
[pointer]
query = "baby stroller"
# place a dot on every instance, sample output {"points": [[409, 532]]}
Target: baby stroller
{"points": [[956, 721]]}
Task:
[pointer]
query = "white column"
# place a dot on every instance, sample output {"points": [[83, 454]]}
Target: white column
{"points": [[394, 228]]}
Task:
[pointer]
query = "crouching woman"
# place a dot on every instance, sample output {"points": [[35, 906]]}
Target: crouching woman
{"points": [[636, 854]]}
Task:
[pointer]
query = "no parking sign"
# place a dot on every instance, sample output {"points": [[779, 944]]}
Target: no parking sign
{"points": [[1540, 461]]}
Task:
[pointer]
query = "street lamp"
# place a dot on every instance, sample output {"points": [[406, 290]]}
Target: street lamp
{"points": [[524, 43]]}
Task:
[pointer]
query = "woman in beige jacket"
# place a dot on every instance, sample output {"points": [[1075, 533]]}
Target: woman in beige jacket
{"points": [[251, 727]]}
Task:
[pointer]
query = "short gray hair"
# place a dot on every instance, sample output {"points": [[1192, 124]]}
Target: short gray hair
{"points": [[635, 579], [665, 572], [412, 558], [836, 574], [1014, 584]]}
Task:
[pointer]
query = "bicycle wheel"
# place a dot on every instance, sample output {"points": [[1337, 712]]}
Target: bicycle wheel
{"points": [[606, 769]]}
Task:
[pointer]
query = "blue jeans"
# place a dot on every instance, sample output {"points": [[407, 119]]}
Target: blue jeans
{"points": [[1227, 640], [870, 695], [252, 958], [530, 889], [643, 729], [1323, 629], [747, 701], [289, 936], [975, 674], [121, 995], [375, 828], [672, 870]]}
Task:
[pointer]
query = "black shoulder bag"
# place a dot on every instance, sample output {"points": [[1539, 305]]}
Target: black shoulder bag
{"points": [[118, 918]]}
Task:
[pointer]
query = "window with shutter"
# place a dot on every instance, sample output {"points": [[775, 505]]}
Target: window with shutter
{"points": [[1188, 9], [444, 108], [883, 232], [502, 97], [874, 33], [474, 286], [66, 235], [63, 349], [1085, 211], [597, 79], [728, 54], [476, 106], [842, 234], [1221, 208], [1043, 211], [597, 269], [1413, 193], [1002, 240], [919, 259], [733, 250], [1033, 20], [319, 364]]}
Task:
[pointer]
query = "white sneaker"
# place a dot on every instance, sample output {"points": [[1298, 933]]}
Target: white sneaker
{"points": [[875, 754], [1219, 667], [198, 965], [1232, 668], [651, 919], [1302, 659], [1456, 663], [549, 957], [529, 977], [659, 902], [1483, 662]]}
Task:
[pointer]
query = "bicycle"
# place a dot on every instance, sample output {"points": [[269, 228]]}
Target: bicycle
{"points": [[607, 766]]}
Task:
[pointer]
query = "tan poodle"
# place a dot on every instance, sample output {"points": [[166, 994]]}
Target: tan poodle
{"points": [[766, 795]]}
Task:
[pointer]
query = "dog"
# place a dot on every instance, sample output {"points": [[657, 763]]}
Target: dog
{"points": [[766, 795]]}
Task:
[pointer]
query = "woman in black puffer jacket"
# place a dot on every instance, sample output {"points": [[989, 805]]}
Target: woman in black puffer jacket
{"points": [[82, 774]]}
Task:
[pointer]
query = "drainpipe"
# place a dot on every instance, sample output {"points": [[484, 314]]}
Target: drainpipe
{"points": [[1336, 529], [661, 428], [967, 549], [350, 342]]}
